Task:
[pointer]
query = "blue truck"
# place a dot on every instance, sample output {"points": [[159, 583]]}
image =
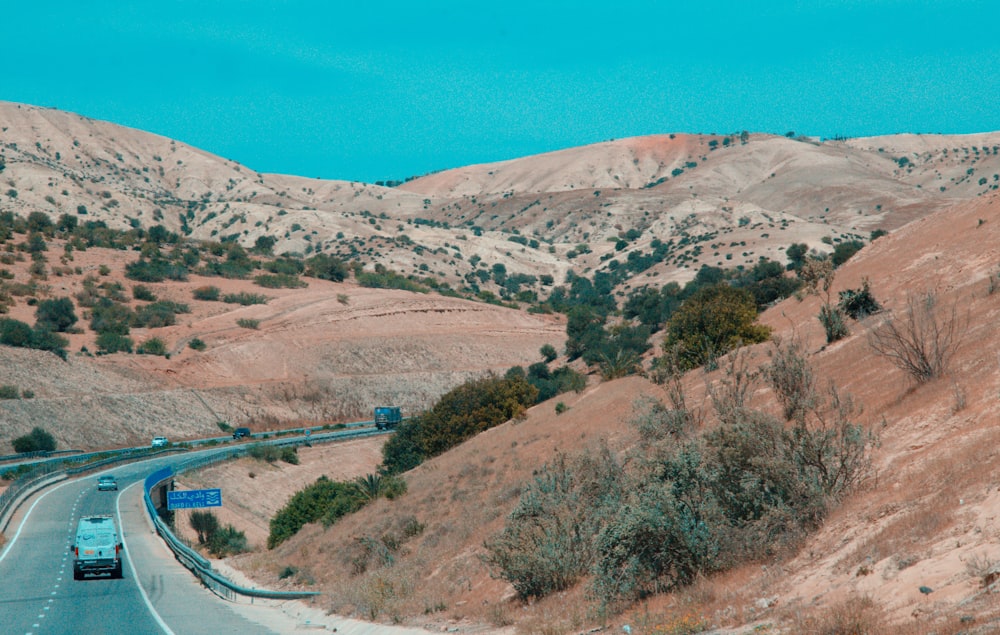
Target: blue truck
{"points": [[387, 417]]}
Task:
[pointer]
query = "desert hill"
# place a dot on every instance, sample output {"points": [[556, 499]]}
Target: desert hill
{"points": [[911, 552], [325, 353], [331, 350], [735, 198]]}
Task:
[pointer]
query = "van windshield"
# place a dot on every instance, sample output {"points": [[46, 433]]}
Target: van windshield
{"points": [[97, 539]]}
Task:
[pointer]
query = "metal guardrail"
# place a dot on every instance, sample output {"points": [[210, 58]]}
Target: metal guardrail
{"points": [[47, 470], [191, 559], [37, 454], [185, 555]]}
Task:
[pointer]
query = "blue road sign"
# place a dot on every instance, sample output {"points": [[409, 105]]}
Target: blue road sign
{"points": [[191, 498]]}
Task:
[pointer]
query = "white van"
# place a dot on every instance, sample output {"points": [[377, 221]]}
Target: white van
{"points": [[97, 548]]}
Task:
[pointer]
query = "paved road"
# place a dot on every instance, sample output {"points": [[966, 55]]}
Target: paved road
{"points": [[38, 595]]}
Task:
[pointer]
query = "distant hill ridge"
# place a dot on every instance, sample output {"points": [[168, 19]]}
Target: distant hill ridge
{"points": [[736, 197]]}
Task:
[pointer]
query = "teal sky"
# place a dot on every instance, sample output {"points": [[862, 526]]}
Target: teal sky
{"points": [[384, 90]]}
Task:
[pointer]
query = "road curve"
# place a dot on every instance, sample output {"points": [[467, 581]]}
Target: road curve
{"points": [[38, 595]]}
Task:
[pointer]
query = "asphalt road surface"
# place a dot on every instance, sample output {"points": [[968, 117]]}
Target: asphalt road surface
{"points": [[39, 596]]}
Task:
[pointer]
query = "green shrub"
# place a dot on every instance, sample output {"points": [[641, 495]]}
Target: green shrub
{"points": [[248, 323], [56, 314], [548, 352], [264, 452], [196, 344], [38, 440], [326, 267], [280, 281], [111, 342], [205, 524], [741, 492], [142, 292], [245, 299], [384, 278], [155, 270], [210, 293], [9, 392], [289, 455], [228, 541], [19, 334], [461, 413], [834, 324], [859, 303], [322, 499], [152, 346], [843, 251], [108, 316], [547, 543], [158, 314]]}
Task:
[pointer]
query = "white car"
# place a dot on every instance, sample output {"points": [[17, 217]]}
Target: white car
{"points": [[160, 442], [105, 483]]}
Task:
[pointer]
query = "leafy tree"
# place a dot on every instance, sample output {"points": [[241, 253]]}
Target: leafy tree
{"points": [[797, 253], [653, 307], [205, 524], [38, 440], [461, 413], [326, 267], [264, 244], [15, 333], [583, 330], [66, 223], [55, 314], [843, 251], [311, 505], [41, 223], [548, 352], [114, 342], [716, 319], [767, 282]]}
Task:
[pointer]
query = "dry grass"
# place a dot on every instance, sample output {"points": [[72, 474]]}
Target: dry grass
{"points": [[916, 520]]}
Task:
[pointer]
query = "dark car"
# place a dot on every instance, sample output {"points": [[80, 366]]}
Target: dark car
{"points": [[241, 433]]}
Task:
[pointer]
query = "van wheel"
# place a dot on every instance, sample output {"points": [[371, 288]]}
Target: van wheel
{"points": [[77, 575], [118, 571]]}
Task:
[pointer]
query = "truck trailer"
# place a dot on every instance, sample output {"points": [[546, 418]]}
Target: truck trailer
{"points": [[387, 417]]}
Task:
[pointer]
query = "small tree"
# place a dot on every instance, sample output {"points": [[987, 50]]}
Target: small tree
{"points": [[818, 276], [38, 440], [55, 315], [792, 380], [205, 524], [548, 352], [923, 340], [859, 303], [713, 321]]}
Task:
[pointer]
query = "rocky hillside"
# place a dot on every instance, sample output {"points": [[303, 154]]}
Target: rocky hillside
{"points": [[913, 551], [724, 200]]}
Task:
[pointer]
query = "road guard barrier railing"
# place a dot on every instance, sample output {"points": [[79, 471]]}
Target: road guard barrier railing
{"points": [[191, 559]]}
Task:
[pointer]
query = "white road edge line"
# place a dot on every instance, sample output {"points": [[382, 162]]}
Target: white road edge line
{"points": [[131, 566], [142, 591]]}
